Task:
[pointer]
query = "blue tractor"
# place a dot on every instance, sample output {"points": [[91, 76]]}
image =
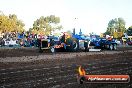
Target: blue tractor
{"points": [[79, 41], [67, 42]]}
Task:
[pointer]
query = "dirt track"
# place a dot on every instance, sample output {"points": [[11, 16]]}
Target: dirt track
{"points": [[61, 73]]}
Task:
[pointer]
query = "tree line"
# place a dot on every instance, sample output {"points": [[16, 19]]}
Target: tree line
{"points": [[116, 27], [45, 25], [11, 23]]}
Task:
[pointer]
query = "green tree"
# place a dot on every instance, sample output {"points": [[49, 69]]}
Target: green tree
{"points": [[129, 31], [44, 25], [18, 25], [116, 25], [10, 23], [3, 23]]}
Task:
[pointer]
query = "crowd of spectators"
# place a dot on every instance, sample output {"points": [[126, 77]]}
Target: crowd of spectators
{"points": [[25, 39], [19, 39]]}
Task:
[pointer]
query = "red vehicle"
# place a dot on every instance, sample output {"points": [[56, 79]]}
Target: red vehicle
{"points": [[129, 42]]}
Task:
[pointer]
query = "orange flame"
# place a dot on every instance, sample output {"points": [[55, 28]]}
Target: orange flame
{"points": [[81, 71]]}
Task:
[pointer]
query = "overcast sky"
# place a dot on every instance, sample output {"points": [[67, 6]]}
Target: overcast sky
{"points": [[92, 15]]}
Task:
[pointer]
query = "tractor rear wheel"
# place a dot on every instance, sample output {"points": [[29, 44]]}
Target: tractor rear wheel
{"points": [[72, 44]]}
